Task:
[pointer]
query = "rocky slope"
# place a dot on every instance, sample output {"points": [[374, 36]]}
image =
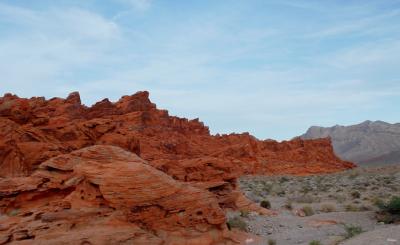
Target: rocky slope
{"points": [[127, 172], [367, 143]]}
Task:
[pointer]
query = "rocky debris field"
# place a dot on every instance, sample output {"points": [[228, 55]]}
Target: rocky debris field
{"points": [[321, 209]]}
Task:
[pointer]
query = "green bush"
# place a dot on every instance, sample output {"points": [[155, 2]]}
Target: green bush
{"points": [[393, 206], [265, 204], [390, 211], [271, 242], [315, 242], [238, 223], [352, 230]]}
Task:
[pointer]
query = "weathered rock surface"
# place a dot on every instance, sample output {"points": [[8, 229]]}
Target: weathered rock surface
{"points": [[127, 172], [106, 195], [34, 130]]}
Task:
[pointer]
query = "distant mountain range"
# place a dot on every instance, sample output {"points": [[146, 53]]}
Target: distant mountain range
{"points": [[368, 143]]}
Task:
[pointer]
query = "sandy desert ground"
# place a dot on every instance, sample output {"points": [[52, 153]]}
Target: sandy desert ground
{"points": [[322, 209]]}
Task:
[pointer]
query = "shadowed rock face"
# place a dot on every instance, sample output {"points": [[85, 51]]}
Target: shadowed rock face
{"points": [[127, 172], [369, 143]]}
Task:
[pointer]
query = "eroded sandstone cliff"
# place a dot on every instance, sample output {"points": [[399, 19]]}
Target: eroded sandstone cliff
{"points": [[127, 172]]}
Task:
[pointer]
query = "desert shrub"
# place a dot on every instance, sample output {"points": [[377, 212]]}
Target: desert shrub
{"points": [[267, 187], [339, 198], [238, 223], [365, 208], [318, 179], [378, 202], [244, 213], [271, 242], [278, 190], [306, 189], [356, 194], [352, 230], [308, 210], [385, 218], [265, 204], [352, 208], [388, 179], [393, 206], [354, 175], [284, 179], [315, 242], [257, 192], [390, 211], [327, 208], [374, 188], [288, 205], [393, 187], [361, 188], [304, 199], [322, 188]]}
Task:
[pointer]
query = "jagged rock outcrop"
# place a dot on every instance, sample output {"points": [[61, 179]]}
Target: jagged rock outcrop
{"points": [[127, 172], [33, 130], [368, 143]]}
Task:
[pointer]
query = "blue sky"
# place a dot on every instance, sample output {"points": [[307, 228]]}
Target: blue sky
{"points": [[270, 67]]}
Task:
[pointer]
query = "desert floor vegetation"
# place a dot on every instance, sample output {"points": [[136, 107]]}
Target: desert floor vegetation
{"points": [[323, 208]]}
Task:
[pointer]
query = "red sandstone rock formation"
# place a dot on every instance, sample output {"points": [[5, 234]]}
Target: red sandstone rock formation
{"points": [[60, 182], [34, 130], [106, 195]]}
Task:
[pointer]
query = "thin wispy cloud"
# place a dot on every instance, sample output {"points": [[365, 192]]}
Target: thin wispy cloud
{"points": [[138, 4], [269, 67], [370, 25], [368, 55]]}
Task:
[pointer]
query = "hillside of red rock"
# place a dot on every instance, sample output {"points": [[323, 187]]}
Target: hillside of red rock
{"points": [[127, 172]]}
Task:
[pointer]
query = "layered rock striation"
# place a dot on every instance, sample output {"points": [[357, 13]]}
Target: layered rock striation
{"points": [[106, 195], [129, 173]]}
